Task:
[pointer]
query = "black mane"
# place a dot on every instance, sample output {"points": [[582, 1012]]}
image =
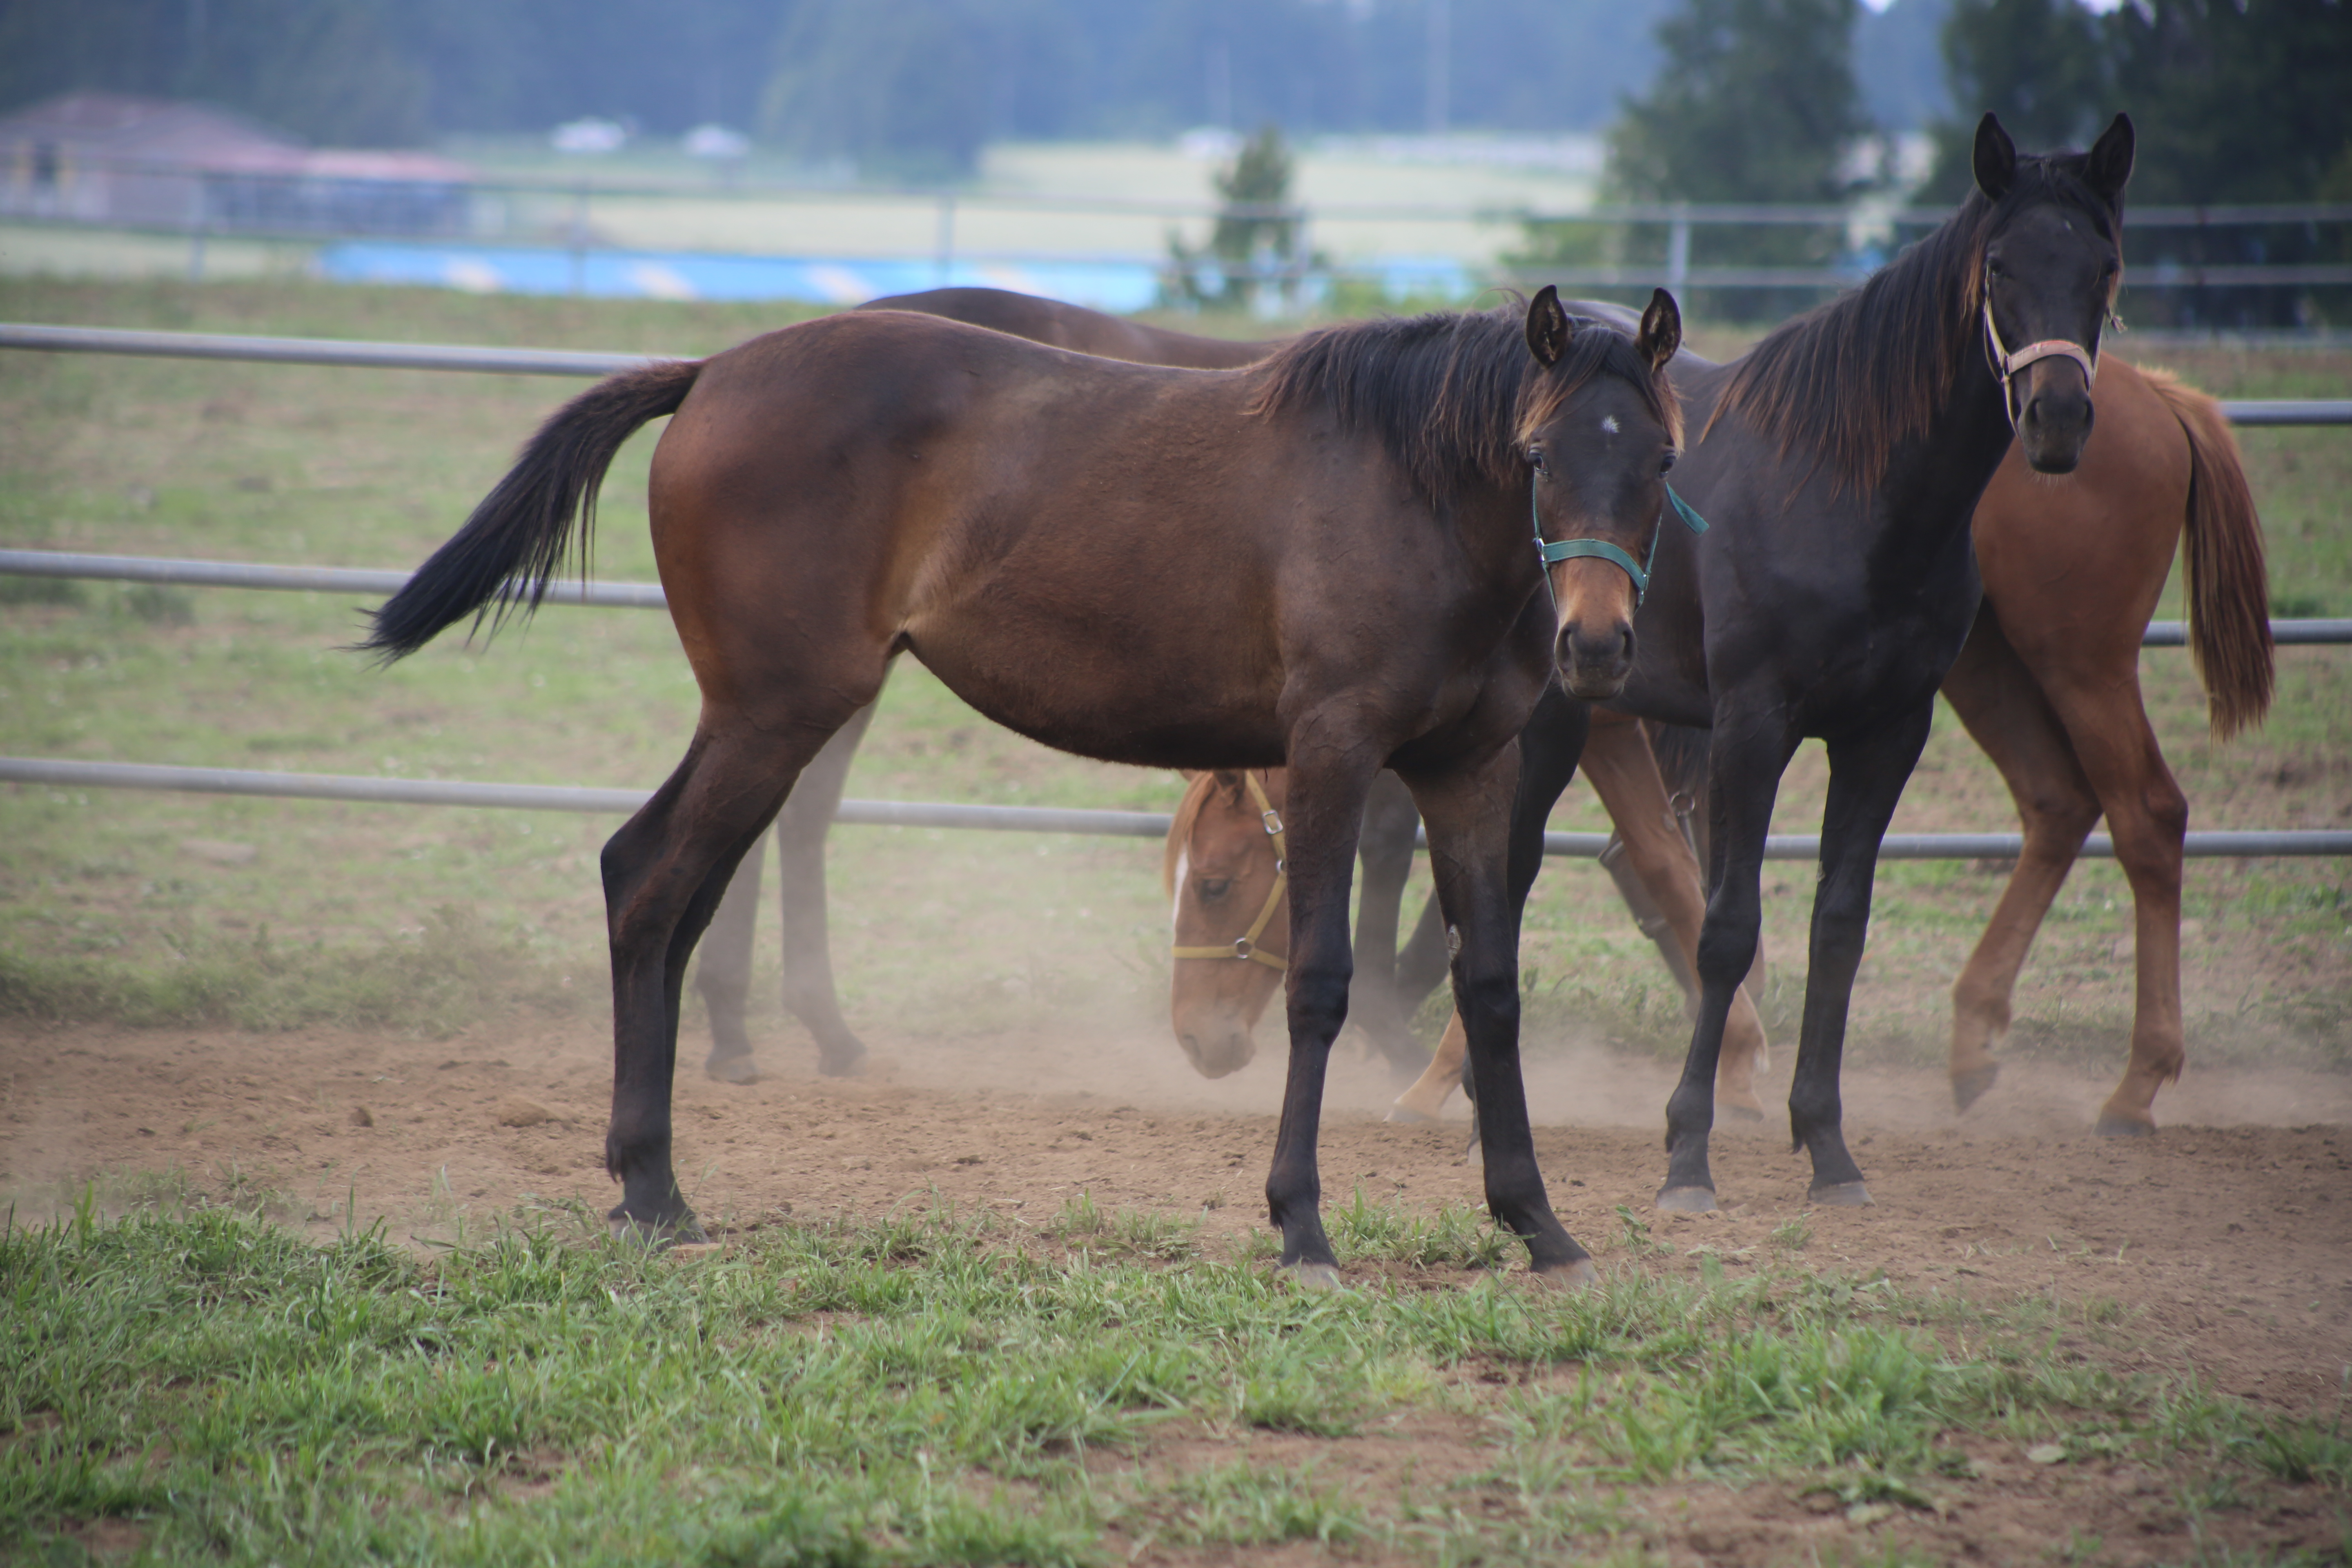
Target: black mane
{"points": [[1452, 396], [1851, 380]]}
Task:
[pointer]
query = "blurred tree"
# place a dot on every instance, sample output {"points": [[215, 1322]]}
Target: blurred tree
{"points": [[1756, 101], [1254, 247], [2037, 64], [900, 89]]}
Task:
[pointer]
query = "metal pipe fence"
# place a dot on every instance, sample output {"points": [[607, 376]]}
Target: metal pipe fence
{"points": [[648, 595], [60, 774], [66, 773]]}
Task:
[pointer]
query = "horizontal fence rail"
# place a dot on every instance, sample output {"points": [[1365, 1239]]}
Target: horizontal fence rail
{"points": [[648, 595], [62, 774], [299, 579], [563, 361]]}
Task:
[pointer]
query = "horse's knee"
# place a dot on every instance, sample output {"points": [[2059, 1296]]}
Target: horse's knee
{"points": [[1727, 950], [1319, 1000]]}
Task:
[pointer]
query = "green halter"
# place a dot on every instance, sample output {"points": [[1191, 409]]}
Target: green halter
{"points": [[1569, 549]]}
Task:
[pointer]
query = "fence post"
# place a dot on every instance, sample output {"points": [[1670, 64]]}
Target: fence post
{"points": [[1678, 249]]}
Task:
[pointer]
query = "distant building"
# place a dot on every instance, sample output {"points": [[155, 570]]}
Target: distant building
{"points": [[100, 157]]}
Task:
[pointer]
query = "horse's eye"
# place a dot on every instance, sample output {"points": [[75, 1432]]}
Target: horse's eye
{"points": [[1666, 462], [1215, 887], [1993, 267], [1536, 458]]}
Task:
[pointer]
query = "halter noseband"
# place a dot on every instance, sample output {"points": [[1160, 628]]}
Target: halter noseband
{"points": [[2008, 366], [1600, 549], [1245, 946]]}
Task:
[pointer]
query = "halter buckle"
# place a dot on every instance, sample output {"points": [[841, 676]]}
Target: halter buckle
{"points": [[1241, 947]]}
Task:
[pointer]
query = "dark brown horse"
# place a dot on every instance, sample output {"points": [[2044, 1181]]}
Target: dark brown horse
{"points": [[723, 971], [1357, 588], [1841, 462]]}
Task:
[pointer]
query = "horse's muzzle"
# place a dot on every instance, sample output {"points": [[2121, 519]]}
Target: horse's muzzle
{"points": [[1216, 1052], [2055, 423], [1594, 662]]}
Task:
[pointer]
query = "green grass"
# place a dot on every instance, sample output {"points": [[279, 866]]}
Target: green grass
{"points": [[935, 934], [937, 1388]]}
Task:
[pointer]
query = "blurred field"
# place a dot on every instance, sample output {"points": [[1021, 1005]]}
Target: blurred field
{"points": [[937, 934]]}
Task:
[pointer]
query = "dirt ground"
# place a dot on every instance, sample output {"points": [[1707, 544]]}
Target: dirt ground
{"points": [[2229, 1235]]}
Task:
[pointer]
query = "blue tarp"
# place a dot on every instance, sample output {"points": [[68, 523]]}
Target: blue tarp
{"points": [[1111, 284]]}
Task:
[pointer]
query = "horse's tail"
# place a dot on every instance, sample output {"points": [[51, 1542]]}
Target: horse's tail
{"points": [[520, 534], [1682, 755], [2229, 588]]}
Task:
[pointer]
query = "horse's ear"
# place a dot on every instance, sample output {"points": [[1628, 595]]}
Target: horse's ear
{"points": [[1995, 159], [2110, 164], [1548, 330], [1662, 329]]}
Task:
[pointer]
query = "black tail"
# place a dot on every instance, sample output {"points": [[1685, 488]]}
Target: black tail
{"points": [[519, 536]]}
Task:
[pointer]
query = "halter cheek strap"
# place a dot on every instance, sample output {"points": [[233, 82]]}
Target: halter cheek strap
{"points": [[1245, 946], [1600, 549], [2007, 364]]}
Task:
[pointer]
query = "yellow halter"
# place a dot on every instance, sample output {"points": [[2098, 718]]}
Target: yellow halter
{"points": [[1245, 947]]}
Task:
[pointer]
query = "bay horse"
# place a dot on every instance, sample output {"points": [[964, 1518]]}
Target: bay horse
{"points": [[724, 973], [1358, 588], [1841, 461], [2048, 685]]}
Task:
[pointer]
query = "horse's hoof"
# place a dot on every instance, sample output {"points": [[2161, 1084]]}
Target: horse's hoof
{"points": [[1686, 1200], [1732, 1111], [736, 1070], [851, 1062], [1970, 1087], [1314, 1276], [686, 1230], [1406, 1116], [1579, 1275], [2113, 1126], [1840, 1196]]}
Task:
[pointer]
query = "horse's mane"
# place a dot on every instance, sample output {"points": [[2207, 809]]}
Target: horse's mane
{"points": [[1179, 831], [1453, 397], [1850, 379]]}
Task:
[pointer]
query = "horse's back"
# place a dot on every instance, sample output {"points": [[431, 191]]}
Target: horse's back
{"points": [[1073, 326]]}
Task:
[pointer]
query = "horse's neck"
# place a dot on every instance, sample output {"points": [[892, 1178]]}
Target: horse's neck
{"points": [[1936, 479]]}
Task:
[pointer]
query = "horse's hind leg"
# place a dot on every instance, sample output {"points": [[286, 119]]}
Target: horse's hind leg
{"points": [[1386, 851], [801, 830], [1618, 763], [664, 873], [2004, 710], [2148, 816], [722, 972]]}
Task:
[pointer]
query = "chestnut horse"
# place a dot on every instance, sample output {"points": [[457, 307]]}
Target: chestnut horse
{"points": [[1221, 868], [1355, 590]]}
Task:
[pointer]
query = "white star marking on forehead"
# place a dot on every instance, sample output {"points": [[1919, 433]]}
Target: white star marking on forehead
{"points": [[1608, 423]]}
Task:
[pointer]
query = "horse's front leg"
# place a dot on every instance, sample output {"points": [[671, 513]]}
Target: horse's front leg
{"points": [[1325, 815], [1752, 748], [1867, 773], [801, 830], [1469, 814]]}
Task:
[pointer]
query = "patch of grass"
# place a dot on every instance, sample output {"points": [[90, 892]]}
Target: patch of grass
{"points": [[451, 972], [930, 1389]]}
